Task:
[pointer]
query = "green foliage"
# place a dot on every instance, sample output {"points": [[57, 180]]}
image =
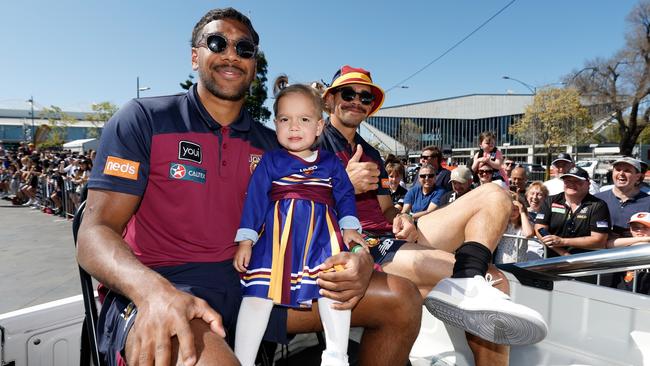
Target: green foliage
{"points": [[187, 84], [58, 122], [256, 98], [102, 112], [556, 116]]}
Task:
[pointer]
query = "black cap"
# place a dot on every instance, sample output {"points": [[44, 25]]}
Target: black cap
{"points": [[576, 172], [563, 157]]}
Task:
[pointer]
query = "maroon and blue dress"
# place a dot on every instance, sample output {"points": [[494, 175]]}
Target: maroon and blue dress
{"points": [[294, 212]]}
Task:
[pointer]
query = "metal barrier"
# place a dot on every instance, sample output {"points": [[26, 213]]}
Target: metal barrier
{"points": [[633, 258], [598, 262]]}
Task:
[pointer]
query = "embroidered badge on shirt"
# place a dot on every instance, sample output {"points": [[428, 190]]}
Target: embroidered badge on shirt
{"points": [[384, 183], [188, 150], [602, 224], [121, 168], [186, 172], [253, 160], [558, 208]]}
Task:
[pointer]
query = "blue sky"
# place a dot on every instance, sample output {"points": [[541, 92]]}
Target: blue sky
{"points": [[72, 53]]}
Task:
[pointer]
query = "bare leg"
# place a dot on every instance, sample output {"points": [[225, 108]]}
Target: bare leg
{"points": [[481, 215], [390, 313], [211, 349]]}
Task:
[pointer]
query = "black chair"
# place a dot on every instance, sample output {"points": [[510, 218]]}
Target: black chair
{"points": [[89, 353]]}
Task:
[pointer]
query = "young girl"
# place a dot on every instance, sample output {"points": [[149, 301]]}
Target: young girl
{"points": [[513, 250], [299, 198], [490, 156]]}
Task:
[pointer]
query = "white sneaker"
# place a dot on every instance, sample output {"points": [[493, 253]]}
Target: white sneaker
{"points": [[474, 305], [28, 203]]}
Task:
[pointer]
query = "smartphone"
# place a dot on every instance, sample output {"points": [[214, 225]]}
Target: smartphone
{"points": [[543, 232]]}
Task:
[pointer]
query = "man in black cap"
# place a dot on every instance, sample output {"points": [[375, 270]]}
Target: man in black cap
{"points": [[562, 164], [573, 221]]}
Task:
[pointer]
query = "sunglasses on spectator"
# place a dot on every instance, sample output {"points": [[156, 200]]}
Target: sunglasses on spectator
{"points": [[348, 94], [426, 156], [217, 43], [508, 163], [481, 172], [427, 176]]}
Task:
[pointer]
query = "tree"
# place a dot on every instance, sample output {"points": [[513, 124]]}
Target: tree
{"points": [[187, 84], [623, 81], [102, 112], [257, 93], [558, 119], [58, 122], [409, 135]]}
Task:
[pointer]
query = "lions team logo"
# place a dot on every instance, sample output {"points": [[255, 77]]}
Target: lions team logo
{"points": [[253, 161], [177, 171]]}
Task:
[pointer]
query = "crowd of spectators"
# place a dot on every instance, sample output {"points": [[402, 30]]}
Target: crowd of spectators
{"points": [[49, 180], [567, 214]]}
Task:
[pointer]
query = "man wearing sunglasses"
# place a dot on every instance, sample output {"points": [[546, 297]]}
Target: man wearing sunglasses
{"points": [[163, 207], [432, 155], [350, 99]]}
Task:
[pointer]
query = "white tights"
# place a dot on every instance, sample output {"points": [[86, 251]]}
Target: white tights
{"points": [[254, 316]]}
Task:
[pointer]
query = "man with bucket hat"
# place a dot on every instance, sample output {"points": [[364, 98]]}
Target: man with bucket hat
{"points": [[352, 97]]}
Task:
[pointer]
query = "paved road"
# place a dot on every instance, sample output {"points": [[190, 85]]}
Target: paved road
{"points": [[37, 258]]}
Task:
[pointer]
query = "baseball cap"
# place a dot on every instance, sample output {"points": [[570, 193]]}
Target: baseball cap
{"points": [[353, 75], [630, 161], [641, 217], [576, 172], [563, 157], [461, 174]]}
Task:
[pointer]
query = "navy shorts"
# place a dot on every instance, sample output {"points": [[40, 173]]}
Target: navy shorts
{"points": [[383, 247], [216, 283]]}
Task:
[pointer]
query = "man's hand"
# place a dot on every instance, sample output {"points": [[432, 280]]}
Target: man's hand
{"points": [[349, 285], [243, 255], [165, 314], [404, 228], [364, 176], [553, 241]]}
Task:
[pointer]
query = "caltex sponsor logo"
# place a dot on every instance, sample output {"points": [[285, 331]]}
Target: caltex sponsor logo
{"points": [[177, 171]]}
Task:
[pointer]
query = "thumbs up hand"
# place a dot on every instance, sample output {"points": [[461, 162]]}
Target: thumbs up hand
{"points": [[363, 175]]}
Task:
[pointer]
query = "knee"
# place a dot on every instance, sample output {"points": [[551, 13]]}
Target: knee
{"points": [[406, 302]]}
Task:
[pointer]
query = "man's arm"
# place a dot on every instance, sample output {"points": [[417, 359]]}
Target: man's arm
{"points": [[163, 311], [594, 241]]}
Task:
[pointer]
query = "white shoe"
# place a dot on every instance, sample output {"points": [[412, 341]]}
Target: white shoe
{"points": [[474, 305], [28, 203]]}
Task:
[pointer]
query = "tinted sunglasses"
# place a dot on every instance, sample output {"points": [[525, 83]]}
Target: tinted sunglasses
{"points": [[427, 176], [217, 43], [426, 156], [348, 94], [481, 172]]}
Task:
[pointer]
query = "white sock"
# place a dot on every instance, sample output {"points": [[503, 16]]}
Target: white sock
{"points": [[253, 318], [337, 331]]}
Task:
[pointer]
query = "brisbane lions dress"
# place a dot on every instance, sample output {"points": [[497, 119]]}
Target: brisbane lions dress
{"points": [[297, 208]]}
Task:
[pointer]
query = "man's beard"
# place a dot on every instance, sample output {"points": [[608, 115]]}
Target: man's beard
{"points": [[209, 83]]}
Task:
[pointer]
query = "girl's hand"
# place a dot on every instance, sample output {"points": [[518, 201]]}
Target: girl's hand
{"points": [[243, 255], [352, 237]]}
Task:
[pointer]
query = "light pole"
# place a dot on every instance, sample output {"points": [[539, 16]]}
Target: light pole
{"points": [[138, 88], [533, 89], [31, 103]]}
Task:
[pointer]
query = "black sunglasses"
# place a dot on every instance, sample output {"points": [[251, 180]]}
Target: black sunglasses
{"points": [[481, 172], [348, 94], [217, 43], [427, 176], [426, 156]]}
